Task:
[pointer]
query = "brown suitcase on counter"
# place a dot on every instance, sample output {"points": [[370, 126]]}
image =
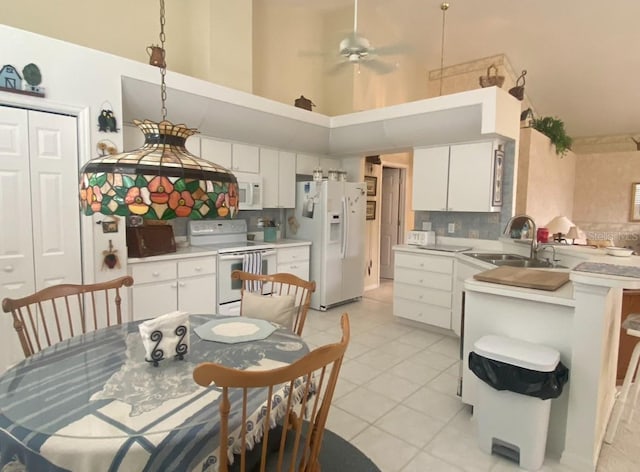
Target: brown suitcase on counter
{"points": [[145, 241]]}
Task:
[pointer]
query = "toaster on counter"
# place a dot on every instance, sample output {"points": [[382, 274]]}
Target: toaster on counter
{"points": [[421, 238]]}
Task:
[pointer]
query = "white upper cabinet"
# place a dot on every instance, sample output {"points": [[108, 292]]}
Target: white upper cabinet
{"points": [[234, 156], [430, 178], [245, 158], [306, 163], [278, 178], [218, 152], [459, 177]]}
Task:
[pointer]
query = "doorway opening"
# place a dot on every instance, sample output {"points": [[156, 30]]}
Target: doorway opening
{"points": [[392, 214]]}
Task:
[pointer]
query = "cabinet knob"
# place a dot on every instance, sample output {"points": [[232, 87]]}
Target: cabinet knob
{"points": [[174, 285], [198, 269], [155, 274], [8, 268], [181, 284], [422, 264], [294, 266], [421, 281]]}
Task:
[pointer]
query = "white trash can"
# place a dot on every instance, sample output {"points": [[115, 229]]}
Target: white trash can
{"points": [[514, 424]]}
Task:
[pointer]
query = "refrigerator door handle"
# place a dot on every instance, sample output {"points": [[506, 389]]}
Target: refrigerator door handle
{"points": [[345, 229]]}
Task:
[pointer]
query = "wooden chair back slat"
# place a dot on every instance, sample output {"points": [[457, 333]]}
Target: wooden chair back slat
{"points": [[309, 385], [69, 322], [39, 319], [280, 284]]}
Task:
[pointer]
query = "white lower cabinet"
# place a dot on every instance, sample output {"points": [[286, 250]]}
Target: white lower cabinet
{"points": [[463, 271], [294, 260], [423, 287], [162, 286]]}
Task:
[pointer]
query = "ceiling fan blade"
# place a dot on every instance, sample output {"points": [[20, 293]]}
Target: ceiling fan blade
{"points": [[378, 66], [338, 67]]}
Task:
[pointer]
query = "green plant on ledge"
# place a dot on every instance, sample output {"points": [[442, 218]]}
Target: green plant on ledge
{"points": [[553, 128]]}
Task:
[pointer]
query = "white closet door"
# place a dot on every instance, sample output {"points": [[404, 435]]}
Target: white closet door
{"points": [[54, 193], [16, 249]]}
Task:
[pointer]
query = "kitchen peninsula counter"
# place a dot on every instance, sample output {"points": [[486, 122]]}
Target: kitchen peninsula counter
{"points": [[582, 321]]}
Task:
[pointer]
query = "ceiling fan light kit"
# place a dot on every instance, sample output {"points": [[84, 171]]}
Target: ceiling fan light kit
{"points": [[356, 49]]}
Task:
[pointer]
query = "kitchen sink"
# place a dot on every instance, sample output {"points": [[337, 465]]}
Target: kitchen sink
{"points": [[512, 260], [524, 263], [495, 257]]}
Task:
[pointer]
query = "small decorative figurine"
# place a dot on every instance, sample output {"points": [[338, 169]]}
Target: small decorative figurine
{"points": [[33, 78], [110, 257], [105, 147], [107, 122], [11, 80]]}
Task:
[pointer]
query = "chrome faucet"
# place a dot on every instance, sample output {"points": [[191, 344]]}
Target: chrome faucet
{"points": [[517, 223], [540, 250]]}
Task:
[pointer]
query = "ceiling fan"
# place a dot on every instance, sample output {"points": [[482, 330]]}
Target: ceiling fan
{"points": [[356, 49]]}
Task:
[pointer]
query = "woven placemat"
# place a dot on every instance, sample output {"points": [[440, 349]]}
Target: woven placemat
{"points": [[608, 269]]}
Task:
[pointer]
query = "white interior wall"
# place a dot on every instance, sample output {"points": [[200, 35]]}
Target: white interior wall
{"points": [[288, 54], [230, 44]]}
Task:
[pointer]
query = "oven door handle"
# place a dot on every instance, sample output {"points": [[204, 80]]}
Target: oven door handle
{"points": [[238, 257]]}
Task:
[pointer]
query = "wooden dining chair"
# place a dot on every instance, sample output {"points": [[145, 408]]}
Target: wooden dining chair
{"points": [[282, 285], [55, 313], [296, 398]]}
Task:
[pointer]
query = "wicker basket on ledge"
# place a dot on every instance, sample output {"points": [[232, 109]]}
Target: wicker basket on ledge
{"points": [[490, 79]]}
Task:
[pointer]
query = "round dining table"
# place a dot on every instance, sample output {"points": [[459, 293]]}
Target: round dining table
{"points": [[93, 403]]}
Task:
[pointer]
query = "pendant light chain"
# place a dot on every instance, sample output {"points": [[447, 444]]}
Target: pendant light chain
{"points": [[163, 69], [444, 7]]}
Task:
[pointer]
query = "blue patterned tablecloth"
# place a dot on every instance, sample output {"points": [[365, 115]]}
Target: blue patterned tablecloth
{"points": [[92, 403]]}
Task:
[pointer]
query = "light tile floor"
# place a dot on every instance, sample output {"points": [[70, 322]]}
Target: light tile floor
{"points": [[396, 396]]}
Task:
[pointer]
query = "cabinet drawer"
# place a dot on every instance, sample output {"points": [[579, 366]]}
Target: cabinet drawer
{"points": [[153, 272], [293, 254], [423, 278], [197, 266], [299, 269], [443, 265], [423, 295], [422, 312]]}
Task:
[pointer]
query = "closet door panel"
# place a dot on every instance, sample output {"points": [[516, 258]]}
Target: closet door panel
{"points": [[16, 250], [56, 220]]}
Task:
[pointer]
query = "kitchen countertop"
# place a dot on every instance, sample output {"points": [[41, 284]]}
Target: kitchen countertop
{"points": [[181, 253], [201, 251], [562, 296], [435, 252], [290, 243]]}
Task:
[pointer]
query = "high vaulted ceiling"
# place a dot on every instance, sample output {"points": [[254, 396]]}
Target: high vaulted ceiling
{"points": [[581, 56]]}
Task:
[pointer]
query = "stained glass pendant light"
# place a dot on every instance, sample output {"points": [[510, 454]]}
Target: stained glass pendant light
{"points": [[161, 180]]}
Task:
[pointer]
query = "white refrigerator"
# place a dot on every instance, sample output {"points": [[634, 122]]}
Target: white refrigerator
{"points": [[331, 215]]}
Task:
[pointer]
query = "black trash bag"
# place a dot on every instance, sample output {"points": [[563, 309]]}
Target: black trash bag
{"points": [[533, 383]]}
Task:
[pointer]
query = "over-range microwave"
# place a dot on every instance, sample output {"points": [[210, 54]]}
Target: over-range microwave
{"points": [[249, 191]]}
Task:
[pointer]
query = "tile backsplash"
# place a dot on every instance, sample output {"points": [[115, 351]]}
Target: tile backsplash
{"points": [[467, 224]]}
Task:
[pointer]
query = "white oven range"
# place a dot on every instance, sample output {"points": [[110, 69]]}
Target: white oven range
{"points": [[229, 239]]}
